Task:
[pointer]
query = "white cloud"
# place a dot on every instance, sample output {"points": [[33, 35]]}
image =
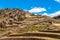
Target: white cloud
{"points": [[37, 9], [55, 14], [52, 14], [45, 14], [57, 1]]}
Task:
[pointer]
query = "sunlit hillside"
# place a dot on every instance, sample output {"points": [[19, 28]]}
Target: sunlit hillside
{"points": [[19, 22]]}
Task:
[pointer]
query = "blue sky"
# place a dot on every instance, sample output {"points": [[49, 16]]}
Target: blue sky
{"points": [[45, 7]]}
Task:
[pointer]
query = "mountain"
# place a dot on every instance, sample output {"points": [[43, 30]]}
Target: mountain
{"points": [[17, 24], [21, 20]]}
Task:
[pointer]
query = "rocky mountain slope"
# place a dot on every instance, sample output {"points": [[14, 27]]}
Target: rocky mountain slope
{"points": [[16, 24], [19, 18]]}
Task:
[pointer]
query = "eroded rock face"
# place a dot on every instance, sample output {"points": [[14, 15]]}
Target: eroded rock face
{"points": [[10, 16]]}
